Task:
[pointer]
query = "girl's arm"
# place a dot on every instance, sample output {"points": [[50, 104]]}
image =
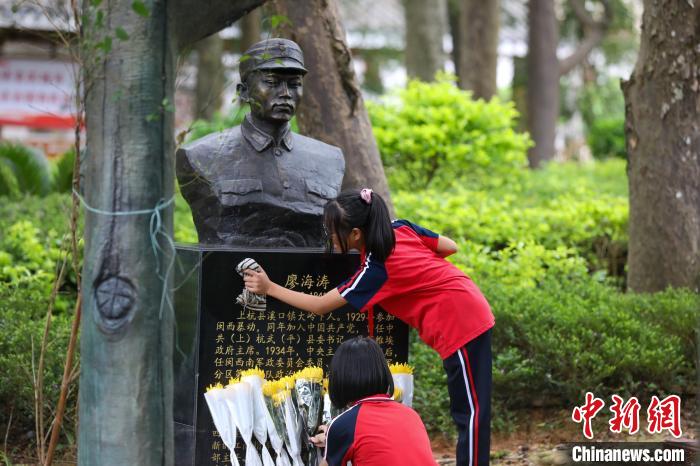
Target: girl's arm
{"points": [[258, 282], [446, 247]]}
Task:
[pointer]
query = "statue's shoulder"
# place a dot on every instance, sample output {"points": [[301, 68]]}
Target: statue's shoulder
{"points": [[305, 143], [316, 147], [218, 142]]}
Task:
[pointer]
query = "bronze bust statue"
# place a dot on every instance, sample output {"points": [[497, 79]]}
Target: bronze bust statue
{"points": [[260, 184]]}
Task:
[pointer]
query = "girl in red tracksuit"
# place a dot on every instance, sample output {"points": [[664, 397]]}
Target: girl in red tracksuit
{"points": [[403, 269]]}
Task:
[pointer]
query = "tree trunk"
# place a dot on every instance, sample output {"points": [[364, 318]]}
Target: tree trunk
{"points": [[251, 29], [126, 341], [453, 9], [662, 101], [542, 80], [210, 76], [425, 29], [544, 69], [373, 77], [519, 89], [126, 385], [478, 30], [332, 108]]}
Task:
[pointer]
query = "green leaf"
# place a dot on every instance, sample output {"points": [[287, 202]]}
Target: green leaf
{"points": [[99, 18], [122, 34], [95, 2], [140, 8], [105, 44], [277, 20]]}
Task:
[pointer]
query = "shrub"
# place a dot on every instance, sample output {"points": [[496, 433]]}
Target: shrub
{"points": [[23, 170], [184, 230], [606, 138], [603, 109], [562, 339], [22, 319], [34, 231], [433, 133], [63, 173], [538, 229], [554, 342]]}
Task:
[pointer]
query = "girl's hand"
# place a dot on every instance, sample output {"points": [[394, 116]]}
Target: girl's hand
{"points": [[257, 282], [319, 439]]}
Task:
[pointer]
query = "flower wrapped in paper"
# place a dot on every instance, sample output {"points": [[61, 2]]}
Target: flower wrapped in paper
{"points": [[403, 379], [278, 398], [219, 410], [275, 424], [255, 378], [239, 399], [330, 412], [398, 394], [308, 386]]}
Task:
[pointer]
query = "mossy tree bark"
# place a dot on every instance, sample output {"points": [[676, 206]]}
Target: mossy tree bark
{"points": [[332, 108], [126, 373], [662, 103], [127, 334]]}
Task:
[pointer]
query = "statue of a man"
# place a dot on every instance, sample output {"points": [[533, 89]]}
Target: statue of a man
{"points": [[260, 184]]}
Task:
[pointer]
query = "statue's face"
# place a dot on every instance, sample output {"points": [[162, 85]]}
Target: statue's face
{"points": [[273, 95]]}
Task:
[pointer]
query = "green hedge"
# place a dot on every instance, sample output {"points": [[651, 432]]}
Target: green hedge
{"points": [[33, 232], [22, 321], [433, 135], [553, 343]]}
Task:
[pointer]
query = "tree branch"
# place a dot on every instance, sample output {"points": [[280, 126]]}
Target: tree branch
{"points": [[196, 19], [594, 31]]}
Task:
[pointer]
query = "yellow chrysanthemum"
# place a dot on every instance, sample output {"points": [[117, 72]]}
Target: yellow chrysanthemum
{"points": [[401, 369], [255, 371], [216, 386], [279, 397], [325, 385], [271, 387], [288, 381], [398, 394], [310, 373], [232, 382]]}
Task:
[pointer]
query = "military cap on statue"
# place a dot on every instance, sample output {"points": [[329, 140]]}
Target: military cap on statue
{"points": [[272, 54]]}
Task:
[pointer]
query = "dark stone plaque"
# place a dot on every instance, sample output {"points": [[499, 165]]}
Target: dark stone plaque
{"points": [[217, 338]]}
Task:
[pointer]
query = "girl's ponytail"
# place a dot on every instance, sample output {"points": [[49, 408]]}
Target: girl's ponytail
{"points": [[367, 211], [379, 234]]}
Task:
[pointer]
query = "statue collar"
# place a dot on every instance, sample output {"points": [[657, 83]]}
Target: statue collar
{"points": [[260, 140]]}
